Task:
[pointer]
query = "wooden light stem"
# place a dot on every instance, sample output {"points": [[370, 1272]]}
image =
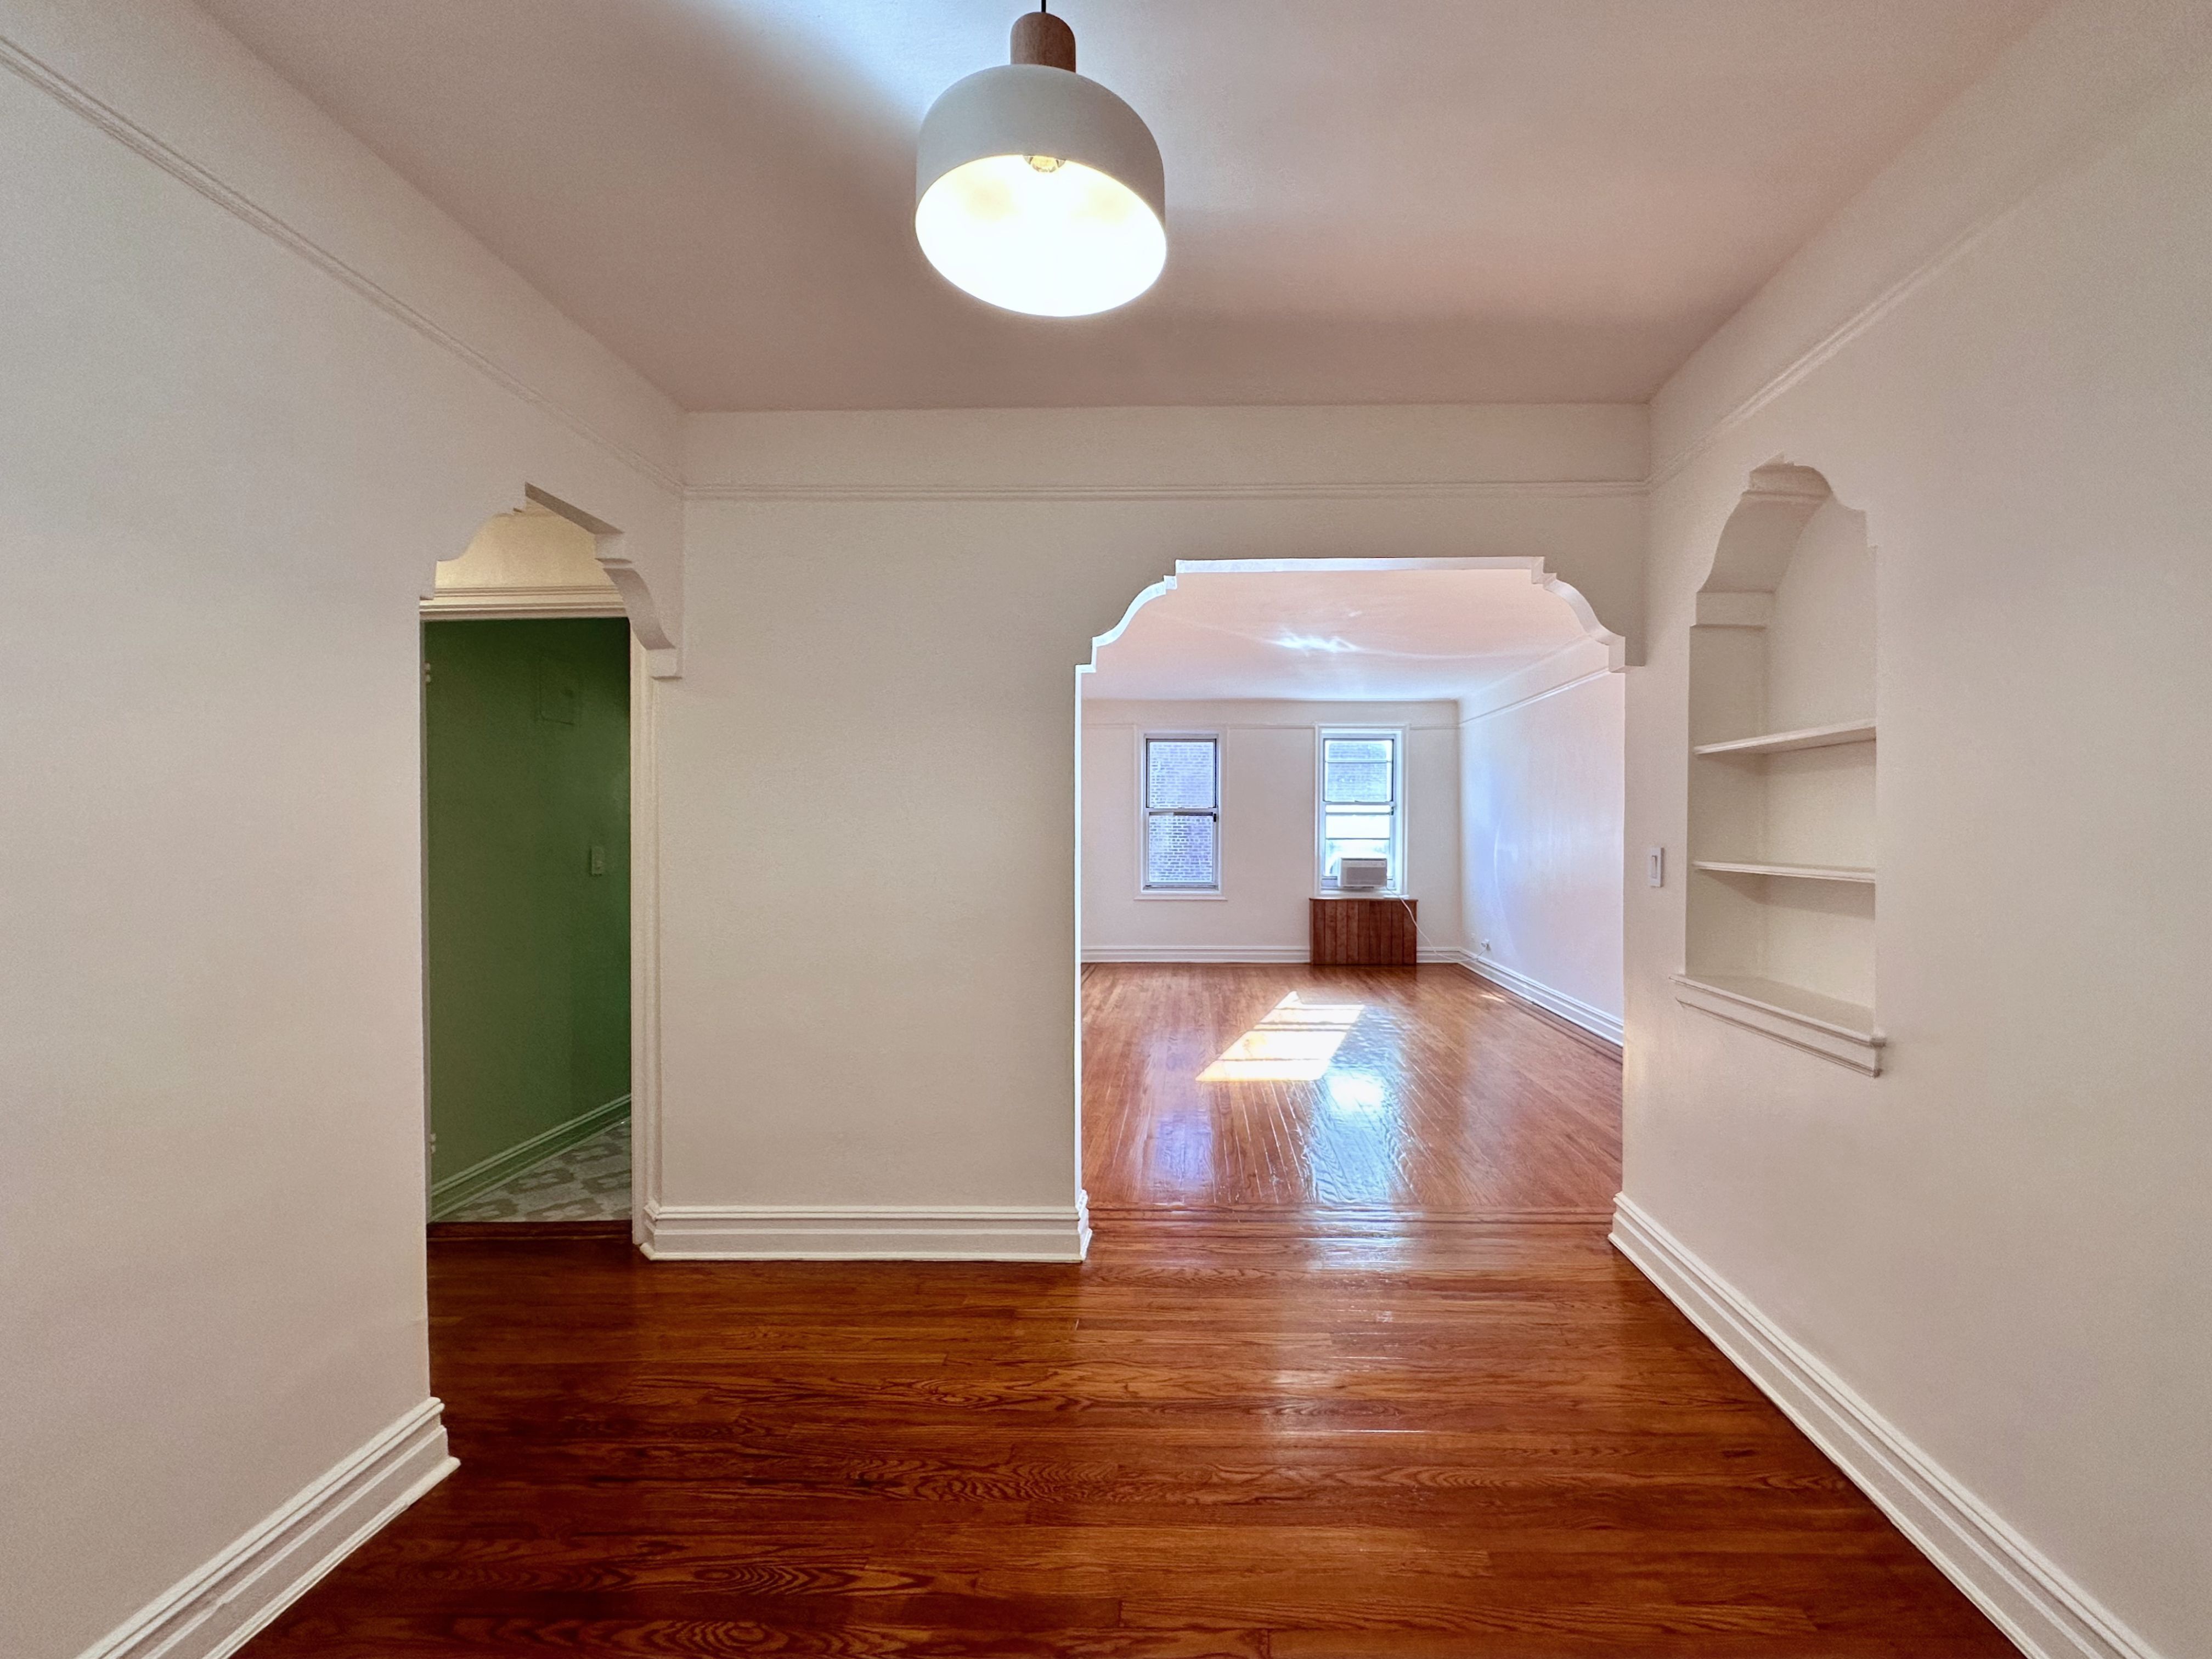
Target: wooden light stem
{"points": [[1040, 38]]}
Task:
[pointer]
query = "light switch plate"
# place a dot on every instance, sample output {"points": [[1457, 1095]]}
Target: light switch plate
{"points": [[1656, 866]]}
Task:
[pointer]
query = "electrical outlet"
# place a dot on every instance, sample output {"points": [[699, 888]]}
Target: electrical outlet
{"points": [[599, 861]]}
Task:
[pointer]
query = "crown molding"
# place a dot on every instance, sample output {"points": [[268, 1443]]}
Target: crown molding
{"points": [[1343, 489], [2083, 153], [1541, 692], [181, 166], [1866, 318]]}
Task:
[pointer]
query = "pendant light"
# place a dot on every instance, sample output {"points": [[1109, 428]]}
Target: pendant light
{"points": [[1039, 191]]}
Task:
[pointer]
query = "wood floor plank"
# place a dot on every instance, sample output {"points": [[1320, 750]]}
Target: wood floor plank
{"points": [[1447, 1099], [1350, 1374]]}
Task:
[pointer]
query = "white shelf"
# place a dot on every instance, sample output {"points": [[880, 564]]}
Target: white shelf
{"points": [[1777, 743], [1824, 1026], [1794, 872]]}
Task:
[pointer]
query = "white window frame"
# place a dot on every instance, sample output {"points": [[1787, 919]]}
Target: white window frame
{"points": [[1400, 882], [1145, 740]]}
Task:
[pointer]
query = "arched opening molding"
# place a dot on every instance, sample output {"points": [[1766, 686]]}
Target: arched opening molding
{"points": [[1615, 645], [550, 581]]}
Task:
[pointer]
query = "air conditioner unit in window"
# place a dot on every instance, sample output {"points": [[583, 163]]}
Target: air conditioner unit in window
{"points": [[1362, 875]]}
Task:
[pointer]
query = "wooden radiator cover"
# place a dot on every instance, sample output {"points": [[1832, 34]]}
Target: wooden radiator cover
{"points": [[1364, 932]]}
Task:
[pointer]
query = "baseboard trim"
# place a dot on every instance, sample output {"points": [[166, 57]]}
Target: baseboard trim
{"points": [[1598, 1023], [217, 1609], [2043, 1612], [1196, 953], [465, 1185], [1229, 954], [748, 1232]]}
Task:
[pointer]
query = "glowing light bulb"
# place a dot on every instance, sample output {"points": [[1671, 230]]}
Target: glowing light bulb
{"points": [[1063, 240]]}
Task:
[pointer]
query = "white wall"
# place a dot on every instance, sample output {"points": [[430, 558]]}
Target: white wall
{"points": [[2002, 355], [1267, 828], [227, 467], [1541, 800], [1821, 647], [878, 604]]}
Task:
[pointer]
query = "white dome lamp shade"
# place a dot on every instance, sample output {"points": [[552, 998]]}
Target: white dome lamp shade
{"points": [[1038, 191]]}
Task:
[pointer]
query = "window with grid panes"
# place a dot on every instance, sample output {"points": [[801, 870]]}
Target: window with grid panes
{"points": [[1361, 800], [1182, 814]]}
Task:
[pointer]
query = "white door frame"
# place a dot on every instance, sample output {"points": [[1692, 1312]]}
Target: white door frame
{"points": [[536, 605]]}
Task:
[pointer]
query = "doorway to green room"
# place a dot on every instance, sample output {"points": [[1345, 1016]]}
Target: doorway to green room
{"points": [[526, 918]]}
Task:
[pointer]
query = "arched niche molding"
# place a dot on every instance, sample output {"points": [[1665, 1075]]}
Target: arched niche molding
{"points": [[627, 591], [1615, 645], [1779, 935]]}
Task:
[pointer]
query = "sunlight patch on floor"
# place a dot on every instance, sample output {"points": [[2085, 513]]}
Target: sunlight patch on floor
{"points": [[1294, 1043]]}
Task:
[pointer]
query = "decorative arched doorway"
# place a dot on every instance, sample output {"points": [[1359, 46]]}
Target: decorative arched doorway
{"points": [[548, 561], [1259, 756]]}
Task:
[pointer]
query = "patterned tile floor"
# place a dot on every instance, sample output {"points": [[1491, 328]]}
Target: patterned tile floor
{"points": [[590, 1182]]}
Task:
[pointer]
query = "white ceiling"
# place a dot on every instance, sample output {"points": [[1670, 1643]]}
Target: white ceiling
{"points": [[1416, 201], [1342, 635]]}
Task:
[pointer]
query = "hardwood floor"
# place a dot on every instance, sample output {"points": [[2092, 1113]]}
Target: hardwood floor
{"points": [[1273, 1425], [1444, 1098]]}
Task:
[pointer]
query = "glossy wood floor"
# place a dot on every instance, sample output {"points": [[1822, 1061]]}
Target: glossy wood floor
{"points": [[1258, 1431], [1442, 1098]]}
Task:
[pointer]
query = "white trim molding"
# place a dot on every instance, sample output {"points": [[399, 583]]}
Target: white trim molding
{"points": [[463, 1185], [1231, 954], [522, 604], [1347, 490], [186, 171], [1553, 691], [216, 1609], [756, 1232], [2043, 1612], [644, 940], [1196, 953], [1591, 1019], [1861, 1051], [2073, 156], [1832, 343]]}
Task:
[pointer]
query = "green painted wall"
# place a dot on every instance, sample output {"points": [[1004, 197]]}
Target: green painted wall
{"points": [[526, 770]]}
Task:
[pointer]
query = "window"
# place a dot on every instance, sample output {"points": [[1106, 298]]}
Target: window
{"points": [[1182, 814], [1361, 802]]}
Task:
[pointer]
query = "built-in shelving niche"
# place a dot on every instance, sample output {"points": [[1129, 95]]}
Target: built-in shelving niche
{"points": [[1781, 877]]}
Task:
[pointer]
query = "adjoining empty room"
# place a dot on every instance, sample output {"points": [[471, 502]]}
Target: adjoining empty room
{"points": [[1351, 899]]}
